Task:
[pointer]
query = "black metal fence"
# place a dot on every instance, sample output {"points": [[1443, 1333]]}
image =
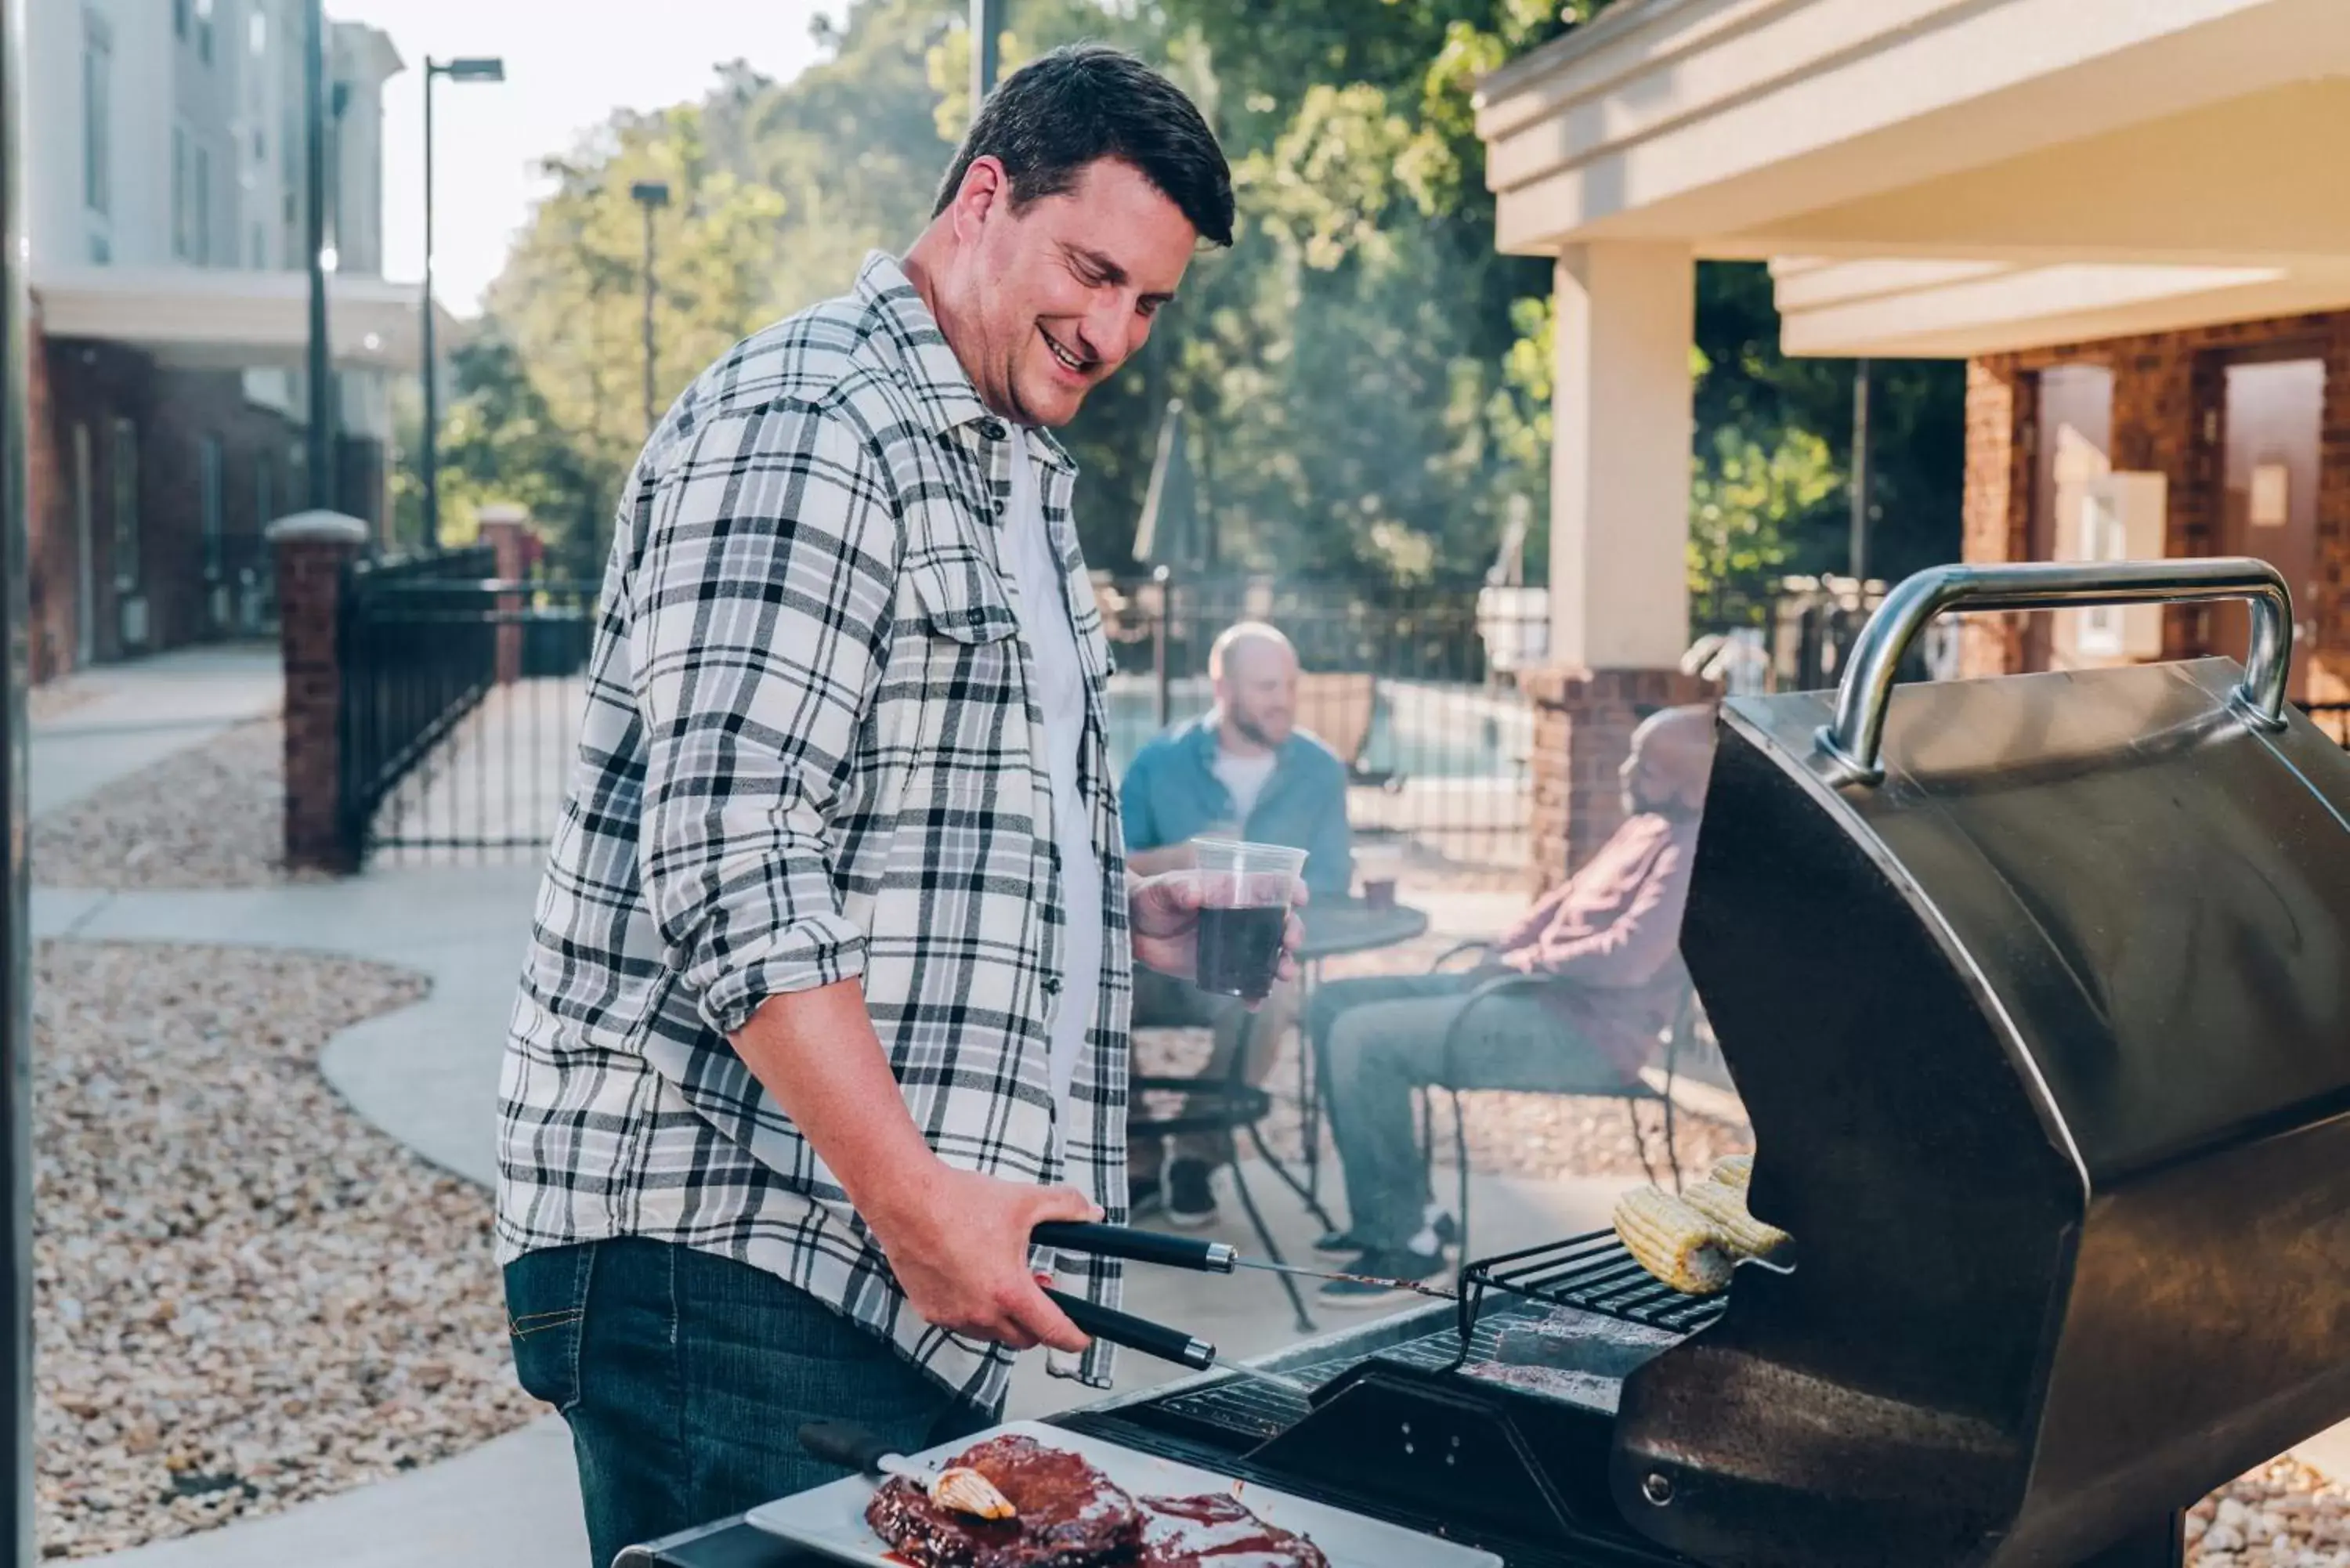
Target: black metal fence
{"points": [[1414, 687], [461, 697]]}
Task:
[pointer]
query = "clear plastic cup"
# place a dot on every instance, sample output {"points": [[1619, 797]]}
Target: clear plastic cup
{"points": [[1244, 895]]}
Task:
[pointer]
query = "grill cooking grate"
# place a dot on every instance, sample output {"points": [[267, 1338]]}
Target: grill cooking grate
{"points": [[1591, 1272]]}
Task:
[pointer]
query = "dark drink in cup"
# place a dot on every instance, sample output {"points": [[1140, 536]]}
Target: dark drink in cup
{"points": [[1240, 951], [1245, 893]]}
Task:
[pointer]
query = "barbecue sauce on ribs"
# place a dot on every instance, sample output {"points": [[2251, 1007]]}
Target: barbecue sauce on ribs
{"points": [[1072, 1516]]}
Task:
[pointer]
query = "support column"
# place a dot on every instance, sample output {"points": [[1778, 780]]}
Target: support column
{"points": [[1996, 510], [1622, 421], [1619, 473], [312, 549], [506, 529]]}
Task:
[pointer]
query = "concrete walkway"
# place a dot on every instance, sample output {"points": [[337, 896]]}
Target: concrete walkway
{"points": [[147, 711], [427, 1074]]}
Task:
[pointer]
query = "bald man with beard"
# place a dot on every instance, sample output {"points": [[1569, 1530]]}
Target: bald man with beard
{"points": [[1606, 947]]}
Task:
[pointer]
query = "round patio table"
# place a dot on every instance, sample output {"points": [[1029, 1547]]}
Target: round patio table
{"points": [[1338, 926], [1333, 927]]}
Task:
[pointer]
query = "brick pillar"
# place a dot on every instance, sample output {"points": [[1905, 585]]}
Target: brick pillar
{"points": [[313, 548], [51, 579], [1584, 721], [1997, 510], [505, 528]]}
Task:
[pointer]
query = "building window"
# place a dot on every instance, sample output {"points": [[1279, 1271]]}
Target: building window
{"points": [[260, 256], [212, 504], [97, 113], [256, 32], [264, 492], [183, 226], [180, 17], [122, 464], [204, 31], [102, 250], [204, 251]]}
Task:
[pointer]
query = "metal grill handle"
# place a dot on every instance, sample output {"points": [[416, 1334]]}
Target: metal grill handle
{"points": [[1854, 742]]}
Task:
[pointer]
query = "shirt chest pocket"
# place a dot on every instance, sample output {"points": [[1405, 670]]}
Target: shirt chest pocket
{"points": [[957, 719]]}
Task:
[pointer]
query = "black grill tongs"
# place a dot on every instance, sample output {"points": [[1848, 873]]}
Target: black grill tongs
{"points": [[1153, 1339], [1191, 1252]]}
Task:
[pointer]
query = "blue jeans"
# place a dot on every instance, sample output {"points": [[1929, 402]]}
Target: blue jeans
{"points": [[685, 1377], [1377, 1038]]}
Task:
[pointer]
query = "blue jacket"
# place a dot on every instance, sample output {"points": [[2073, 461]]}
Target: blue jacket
{"points": [[1172, 794]]}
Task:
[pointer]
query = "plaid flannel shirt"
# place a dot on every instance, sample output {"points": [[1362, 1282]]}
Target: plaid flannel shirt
{"points": [[810, 754]]}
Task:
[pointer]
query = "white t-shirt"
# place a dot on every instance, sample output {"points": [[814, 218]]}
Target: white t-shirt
{"points": [[1051, 638], [1244, 779]]}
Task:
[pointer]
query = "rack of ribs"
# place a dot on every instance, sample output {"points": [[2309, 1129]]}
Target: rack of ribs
{"points": [[1070, 1514]]}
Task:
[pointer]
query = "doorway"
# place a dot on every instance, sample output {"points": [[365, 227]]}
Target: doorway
{"points": [[2073, 446], [2272, 417]]}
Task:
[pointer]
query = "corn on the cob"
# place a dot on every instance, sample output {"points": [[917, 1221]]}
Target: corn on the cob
{"points": [[1734, 1170], [1724, 1209], [1672, 1240]]}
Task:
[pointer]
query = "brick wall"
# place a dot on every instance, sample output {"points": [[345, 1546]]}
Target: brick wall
{"points": [[1584, 721], [2166, 387], [91, 385], [313, 552], [2001, 410], [49, 518]]}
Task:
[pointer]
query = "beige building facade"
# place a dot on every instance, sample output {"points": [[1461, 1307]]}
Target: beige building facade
{"points": [[2130, 217]]}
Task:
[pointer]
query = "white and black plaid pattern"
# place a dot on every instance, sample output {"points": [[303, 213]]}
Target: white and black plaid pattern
{"points": [[809, 754]]}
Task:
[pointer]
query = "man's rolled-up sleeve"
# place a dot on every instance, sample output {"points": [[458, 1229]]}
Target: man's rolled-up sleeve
{"points": [[759, 616]]}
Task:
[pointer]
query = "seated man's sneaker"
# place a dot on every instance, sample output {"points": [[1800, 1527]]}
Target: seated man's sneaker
{"points": [[1191, 1201], [1388, 1274], [1436, 1223], [1144, 1195]]}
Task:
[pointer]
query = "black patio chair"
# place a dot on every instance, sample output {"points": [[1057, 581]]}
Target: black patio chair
{"points": [[1687, 1016], [1229, 1106]]}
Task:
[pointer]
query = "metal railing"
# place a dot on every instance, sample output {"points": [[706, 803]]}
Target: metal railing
{"points": [[1414, 687], [413, 664], [480, 710]]}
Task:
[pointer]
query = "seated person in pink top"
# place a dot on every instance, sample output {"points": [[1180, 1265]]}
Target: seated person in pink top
{"points": [[1606, 945]]}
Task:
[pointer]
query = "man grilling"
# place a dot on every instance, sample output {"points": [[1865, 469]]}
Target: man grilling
{"points": [[1605, 950], [826, 1006], [1241, 770]]}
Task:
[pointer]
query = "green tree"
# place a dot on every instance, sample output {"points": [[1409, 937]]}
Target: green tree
{"points": [[1368, 381]]}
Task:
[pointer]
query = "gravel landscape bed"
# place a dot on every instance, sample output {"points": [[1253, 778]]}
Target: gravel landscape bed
{"points": [[1510, 1133], [210, 816], [246, 1296], [2283, 1515]]}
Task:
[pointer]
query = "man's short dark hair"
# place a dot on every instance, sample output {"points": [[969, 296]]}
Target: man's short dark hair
{"points": [[1083, 102]]}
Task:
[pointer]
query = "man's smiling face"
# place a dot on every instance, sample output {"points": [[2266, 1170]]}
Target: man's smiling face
{"points": [[1062, 292]]}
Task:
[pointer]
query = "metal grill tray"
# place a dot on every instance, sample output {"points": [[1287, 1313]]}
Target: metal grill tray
{"points": [[1590, 1274], [830, 1519]]}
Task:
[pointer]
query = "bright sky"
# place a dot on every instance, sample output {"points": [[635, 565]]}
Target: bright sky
{"points": [[570, 63]]}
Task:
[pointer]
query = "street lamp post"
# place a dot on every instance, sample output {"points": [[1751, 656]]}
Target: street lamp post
{"points": [[472, 69], [16, 1536], [986, 31], [650, 195], [1860, 477], [320, 370]]}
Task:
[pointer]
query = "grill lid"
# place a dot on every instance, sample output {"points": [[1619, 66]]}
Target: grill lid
{"points": [[2044, 1022]]}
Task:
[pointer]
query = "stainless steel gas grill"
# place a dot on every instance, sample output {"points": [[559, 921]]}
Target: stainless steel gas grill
{"points": [[2038, 992]]}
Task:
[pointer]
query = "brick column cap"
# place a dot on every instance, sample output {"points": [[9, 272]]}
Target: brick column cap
{"points": [[502, 511], [332, 527]]}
